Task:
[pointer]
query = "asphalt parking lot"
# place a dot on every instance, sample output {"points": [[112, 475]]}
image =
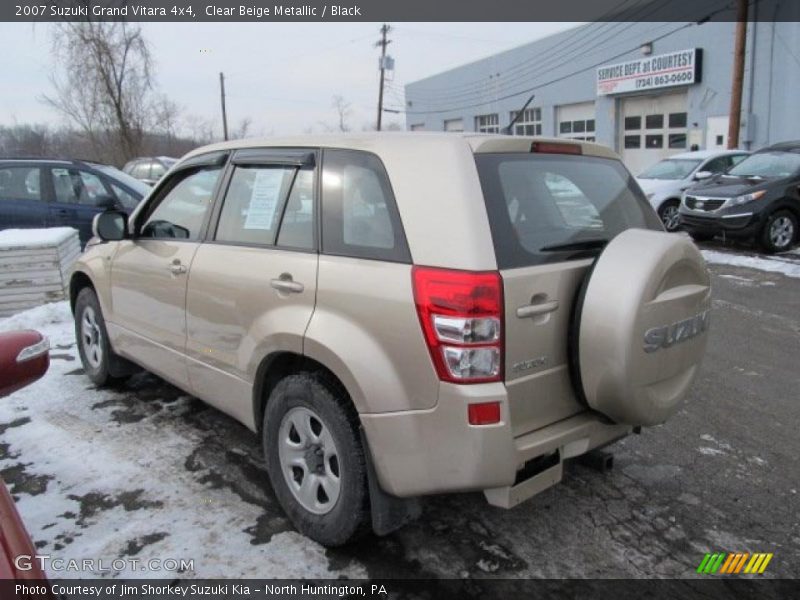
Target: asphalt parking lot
{"points": [[146, 471]]}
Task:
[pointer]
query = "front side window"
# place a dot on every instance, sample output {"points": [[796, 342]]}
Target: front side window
{"points": [[181, 212], [360, 218], [20, 183]]}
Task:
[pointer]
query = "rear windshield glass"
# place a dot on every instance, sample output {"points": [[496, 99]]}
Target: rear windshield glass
{"points": [[550, 208]]}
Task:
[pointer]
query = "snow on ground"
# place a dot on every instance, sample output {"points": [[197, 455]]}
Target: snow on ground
{"points": [[90, 486], [772, 264]]}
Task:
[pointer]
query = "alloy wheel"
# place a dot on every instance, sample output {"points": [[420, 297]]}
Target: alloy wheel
{"points": [[781, 232], [91, 338], [309, 460]]}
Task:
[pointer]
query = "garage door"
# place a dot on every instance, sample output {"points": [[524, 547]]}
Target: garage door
{"points": [[652, 128], [576, 121]]}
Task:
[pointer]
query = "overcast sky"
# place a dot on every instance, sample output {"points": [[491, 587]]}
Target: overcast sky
{"points": [[282, 76]]}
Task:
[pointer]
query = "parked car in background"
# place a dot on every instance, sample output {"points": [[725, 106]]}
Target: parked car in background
{"points": [[316, 297], [757, 199], [149, 169], [50, 192], [24, 358], [665, 181]]}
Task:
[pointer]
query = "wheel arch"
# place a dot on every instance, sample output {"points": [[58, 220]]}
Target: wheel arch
{"points": [[278, 365], [77, 282]]}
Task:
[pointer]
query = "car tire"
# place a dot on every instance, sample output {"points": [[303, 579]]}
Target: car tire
{"points": [[668, 213], [701, 237], [100, 362], [779, 232], [315, 459]]}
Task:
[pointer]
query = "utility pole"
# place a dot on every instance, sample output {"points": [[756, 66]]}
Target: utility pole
{"points": [[735, 119], [222, 101], [382, 43]]}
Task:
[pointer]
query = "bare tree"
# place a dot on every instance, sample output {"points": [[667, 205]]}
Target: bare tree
{"points": [[343, 111], [242, 130], [105, 87]]}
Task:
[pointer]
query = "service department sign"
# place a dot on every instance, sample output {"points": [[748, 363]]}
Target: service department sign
{"points": [[682, 67]]}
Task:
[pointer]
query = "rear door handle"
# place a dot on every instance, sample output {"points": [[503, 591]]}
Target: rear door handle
{"points": [[533, 310], [176, 268], [284, 283]]}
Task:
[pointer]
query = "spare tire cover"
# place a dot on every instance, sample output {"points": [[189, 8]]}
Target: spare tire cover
{"points": [[642, 326]]}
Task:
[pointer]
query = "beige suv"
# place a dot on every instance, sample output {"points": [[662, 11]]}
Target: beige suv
{"points": [[400, 315]]}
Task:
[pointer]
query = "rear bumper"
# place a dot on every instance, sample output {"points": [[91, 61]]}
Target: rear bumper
{"points": [[437, 451]]}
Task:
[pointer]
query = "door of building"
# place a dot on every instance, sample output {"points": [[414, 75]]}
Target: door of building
{"points": [[652, 128]]}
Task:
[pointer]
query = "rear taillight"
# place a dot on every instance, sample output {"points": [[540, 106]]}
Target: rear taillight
{"points": [[461, 313]]}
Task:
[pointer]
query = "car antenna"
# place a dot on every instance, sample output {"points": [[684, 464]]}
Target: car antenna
{"points": [[507, 130]]}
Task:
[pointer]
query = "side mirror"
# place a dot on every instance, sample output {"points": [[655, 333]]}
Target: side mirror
{"points": [[106, 202], [110, 225], [24, 358], [702, 175]]}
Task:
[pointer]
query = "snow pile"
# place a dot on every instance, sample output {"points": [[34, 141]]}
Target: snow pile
{"points": [[773, 264], [34, 238]]}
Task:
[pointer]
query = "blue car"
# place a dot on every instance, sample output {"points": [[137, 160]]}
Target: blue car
{"points": [[40, 192]]}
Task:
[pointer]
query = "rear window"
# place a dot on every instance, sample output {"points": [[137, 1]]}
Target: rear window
{"points": [[550, 208]]}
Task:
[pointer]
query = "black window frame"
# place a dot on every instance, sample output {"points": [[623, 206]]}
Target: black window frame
{"points": [[400, 253]]}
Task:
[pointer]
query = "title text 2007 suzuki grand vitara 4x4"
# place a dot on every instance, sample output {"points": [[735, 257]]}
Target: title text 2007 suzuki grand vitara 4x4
{"points": [[400, 315]]}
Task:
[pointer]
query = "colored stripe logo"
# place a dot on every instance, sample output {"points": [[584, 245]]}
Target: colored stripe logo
{"points": [[734, 563]]}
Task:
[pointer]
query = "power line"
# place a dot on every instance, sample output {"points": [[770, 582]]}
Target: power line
{"points": [[563, 44], [556, 60], [552, 81]]}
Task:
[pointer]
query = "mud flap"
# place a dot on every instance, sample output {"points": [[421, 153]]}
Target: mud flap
{"points": [[389, 513]]}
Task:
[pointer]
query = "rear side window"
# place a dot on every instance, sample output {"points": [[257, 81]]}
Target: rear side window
{"points": [[20, 183], [360, 217], [548, 208], [252, 208]]}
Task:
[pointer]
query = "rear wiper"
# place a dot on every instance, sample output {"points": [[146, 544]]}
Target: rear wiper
{"points": [[582, 245]]}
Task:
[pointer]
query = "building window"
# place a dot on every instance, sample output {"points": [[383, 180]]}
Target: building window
{"points": [[633, 141], [418, 127], [529, 123], [654, 141], [487, 123], [454, 125], [654, 121], [633, 123], [577, 130], [677, 140], [677, 119]]}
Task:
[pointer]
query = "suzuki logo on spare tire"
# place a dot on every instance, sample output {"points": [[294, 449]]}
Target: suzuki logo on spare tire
{"points": [[669, 335]]}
